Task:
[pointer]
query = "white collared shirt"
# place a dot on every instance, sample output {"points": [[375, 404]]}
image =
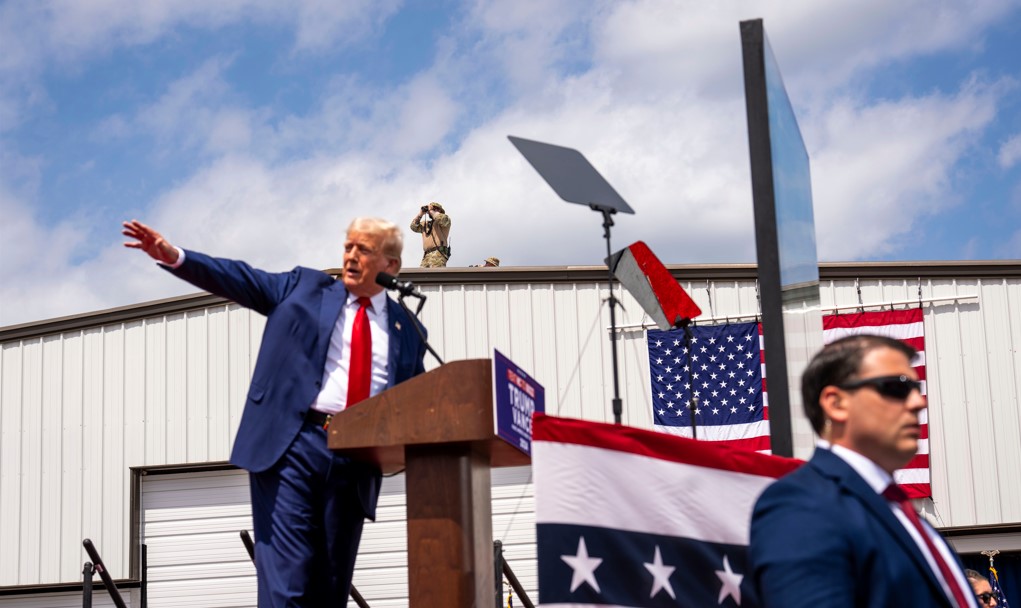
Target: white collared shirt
{"points": [[333, 395], [878, 480]]}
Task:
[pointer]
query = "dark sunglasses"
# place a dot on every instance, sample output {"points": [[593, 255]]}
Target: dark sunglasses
{"points": [[985, 597], [897, 387]]}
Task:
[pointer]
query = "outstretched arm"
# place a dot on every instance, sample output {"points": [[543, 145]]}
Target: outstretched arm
{"points": [[149, 241]]}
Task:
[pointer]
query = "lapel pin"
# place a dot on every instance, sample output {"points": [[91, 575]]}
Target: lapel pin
{"points": [[397, 324]]}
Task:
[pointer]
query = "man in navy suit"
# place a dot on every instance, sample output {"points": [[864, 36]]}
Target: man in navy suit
{"points": [[837, 531], [308, 505]]}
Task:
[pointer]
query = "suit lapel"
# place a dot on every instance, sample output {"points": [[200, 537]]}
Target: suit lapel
{"points": [[397, 327], [333, 299], [835, 468]]}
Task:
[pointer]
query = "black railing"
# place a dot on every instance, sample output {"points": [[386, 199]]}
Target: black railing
{"points": [[502, 571], [91, 568], [246, 538]]}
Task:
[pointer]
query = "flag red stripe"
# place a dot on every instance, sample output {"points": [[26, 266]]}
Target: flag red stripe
{"points": [[659, 445], [893, 322]]}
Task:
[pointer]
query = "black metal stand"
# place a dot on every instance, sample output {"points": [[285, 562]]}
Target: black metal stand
{"points": [[575, 180], [87, 572], [617, 404]]}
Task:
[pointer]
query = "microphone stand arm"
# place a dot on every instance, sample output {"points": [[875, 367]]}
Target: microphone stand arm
{"points": [[417, 323]]}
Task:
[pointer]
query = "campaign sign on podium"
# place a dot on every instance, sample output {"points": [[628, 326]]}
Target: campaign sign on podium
{"points": [[516, 396]]}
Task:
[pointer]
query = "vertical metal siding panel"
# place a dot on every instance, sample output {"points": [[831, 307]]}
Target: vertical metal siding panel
{"points": [[133, 441], [452, 333], [634, 363], [474, 317], [113, 540], [31, 462], [197, 393], [11, 357], [11, 388], [92, 437], [544, 340], [156, 391], [566, 333], [728, 301], [595, 374], [520, 320], [72, 484], [749, 299], [827, 295], [217, 408], [498, 329], [51, 459], [844, 294], [239, 366], [970, 418], [1001, 311], [950, 459], [977, 409], [432, 319], [1008, 411], [633, 360], [176, 412], [134, 394]]}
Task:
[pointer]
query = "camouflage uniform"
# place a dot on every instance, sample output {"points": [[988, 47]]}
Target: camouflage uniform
{"points": [[435, 245]]}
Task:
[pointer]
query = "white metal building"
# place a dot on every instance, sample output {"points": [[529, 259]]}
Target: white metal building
{"points": [[117, 425]]}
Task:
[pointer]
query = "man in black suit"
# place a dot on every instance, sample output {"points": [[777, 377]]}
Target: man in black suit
{"points": [[838, 531]]}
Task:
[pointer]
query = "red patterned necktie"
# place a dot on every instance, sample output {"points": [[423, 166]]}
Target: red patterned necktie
{"points": [[359, 373], [894, 493]]}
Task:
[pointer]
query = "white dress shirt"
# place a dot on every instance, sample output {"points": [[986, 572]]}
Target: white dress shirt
{"points": [[333, 395]]}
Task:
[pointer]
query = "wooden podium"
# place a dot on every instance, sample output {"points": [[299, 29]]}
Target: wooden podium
{"points": [[438, 427]]}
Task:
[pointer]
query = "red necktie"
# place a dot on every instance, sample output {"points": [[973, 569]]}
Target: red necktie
{"points": [[894, 493], [359, 373]]}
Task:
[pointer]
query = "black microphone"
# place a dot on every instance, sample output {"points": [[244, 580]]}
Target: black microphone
{"points": [[389, 281]]}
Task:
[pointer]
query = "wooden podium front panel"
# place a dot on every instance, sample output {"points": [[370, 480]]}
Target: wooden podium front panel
{"points": [[450, 531]]}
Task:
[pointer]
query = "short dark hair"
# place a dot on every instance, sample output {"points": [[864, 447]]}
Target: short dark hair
{"points": [[837, 363]]}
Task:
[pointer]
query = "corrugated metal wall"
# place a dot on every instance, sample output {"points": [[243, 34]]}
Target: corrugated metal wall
{"points": [[77, 409]]}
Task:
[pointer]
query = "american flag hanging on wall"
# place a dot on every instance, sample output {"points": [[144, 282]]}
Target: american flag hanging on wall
{"points": [[728, 376], [906, 326], [725, 372]]}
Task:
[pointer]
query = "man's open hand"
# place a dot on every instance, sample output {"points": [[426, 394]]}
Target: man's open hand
{"points": [[149, 241]]}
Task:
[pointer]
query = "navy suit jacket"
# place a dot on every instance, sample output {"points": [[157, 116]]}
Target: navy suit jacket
{"points": [[302, 307], [821, 536]]}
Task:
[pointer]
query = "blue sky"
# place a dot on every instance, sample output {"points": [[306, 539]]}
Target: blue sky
{"points": [[257, 129]]}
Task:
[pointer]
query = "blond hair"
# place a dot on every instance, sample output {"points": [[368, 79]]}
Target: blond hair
{"points": [[393, 240]]}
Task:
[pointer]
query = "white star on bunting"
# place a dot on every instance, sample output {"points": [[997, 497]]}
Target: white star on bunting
{"points": [[584, 566], [731, 582], [660, 575]]}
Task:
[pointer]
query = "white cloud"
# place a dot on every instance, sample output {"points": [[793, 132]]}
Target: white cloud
{"points": [[52, 35], [649, 91], [1010, 152], [821, 46], [878, 168]]}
